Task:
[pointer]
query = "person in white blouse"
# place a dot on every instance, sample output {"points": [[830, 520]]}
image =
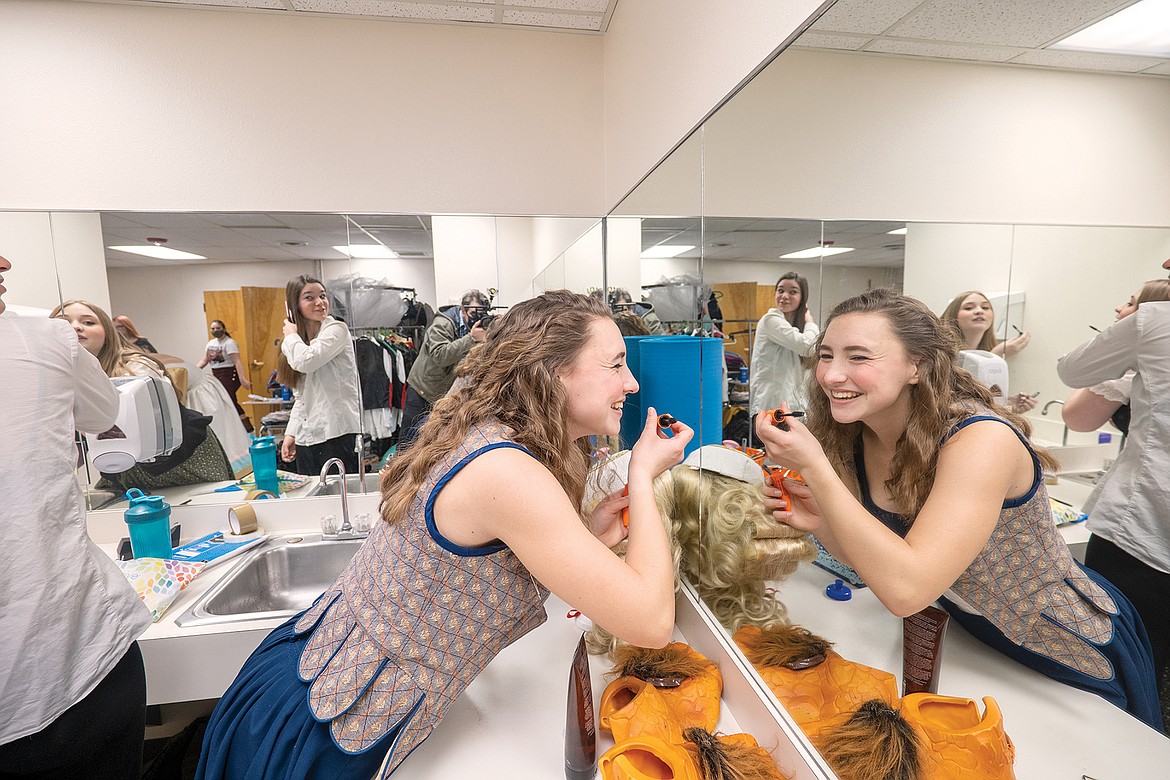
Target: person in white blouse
{"points": [[317, 361], [1130, 519], [785, 335], [71, 675]]}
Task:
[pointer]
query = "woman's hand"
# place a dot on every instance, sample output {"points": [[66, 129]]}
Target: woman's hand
{"points": [[654, 451], [795, 448], [288, 449], [606, 519], [802, 512], [1021, 402], [1012, 346], [289, 328]]}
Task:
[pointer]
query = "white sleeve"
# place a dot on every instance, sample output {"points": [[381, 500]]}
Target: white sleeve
{"points": [[1108, 355], [777, 329], [95, 399], [306, 358]]}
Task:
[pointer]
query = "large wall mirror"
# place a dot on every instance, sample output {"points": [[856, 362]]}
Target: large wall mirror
{"points": [[386, 275], [884, 149]]}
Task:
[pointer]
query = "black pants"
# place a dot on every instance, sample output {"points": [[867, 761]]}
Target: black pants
{"points": [[414, 414], [310, 458], [99, 737], [1149, 590], [230, 379]]}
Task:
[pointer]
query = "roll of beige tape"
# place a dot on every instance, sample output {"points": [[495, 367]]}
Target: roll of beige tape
{"points": [[242, 519], [256, 495]]}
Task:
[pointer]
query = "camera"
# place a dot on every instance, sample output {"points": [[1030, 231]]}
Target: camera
{"points": [[477, 314]]}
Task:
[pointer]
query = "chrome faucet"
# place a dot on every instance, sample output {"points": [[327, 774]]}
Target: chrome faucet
{"points": [[346, 531], [1064, 433]]}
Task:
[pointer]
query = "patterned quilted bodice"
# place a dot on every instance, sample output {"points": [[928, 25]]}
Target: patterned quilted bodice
{"points": [[1026, 582], [412, 620]]}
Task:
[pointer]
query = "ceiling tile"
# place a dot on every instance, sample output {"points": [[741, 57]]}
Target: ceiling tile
{"points": [[864, 16], [819, 40], [596, 6], [236, 3], [952, 51], [564, 21], [438, 11], [1002, 22], [1061, 58]]}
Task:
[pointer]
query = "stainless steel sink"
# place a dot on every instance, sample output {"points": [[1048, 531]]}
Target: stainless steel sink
{"points": [[352, 485], [282, 577]]}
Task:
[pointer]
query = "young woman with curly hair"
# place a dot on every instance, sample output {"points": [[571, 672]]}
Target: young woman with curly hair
{"points": [[926, 487], [481, 520]]}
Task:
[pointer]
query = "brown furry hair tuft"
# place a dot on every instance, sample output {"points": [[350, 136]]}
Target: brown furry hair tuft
{"points": [[726, 759], [876, 743], [670, 661], [782, 645]]}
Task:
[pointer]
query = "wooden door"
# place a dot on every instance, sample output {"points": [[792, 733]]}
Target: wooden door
{"points": [[227, 306], [737, 301], [265, 324]]}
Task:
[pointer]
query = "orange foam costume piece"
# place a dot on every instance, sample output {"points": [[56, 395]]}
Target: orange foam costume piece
{"points": [[958, 742]]}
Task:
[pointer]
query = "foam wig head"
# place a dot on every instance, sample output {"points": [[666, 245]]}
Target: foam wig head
{"points": [[732, 546]]}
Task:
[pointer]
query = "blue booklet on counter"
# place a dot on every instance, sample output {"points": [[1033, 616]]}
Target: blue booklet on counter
{"points": [[216, 548]]}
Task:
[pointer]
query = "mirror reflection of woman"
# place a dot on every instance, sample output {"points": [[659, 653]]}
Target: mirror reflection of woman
{"points": [[201, 458], [130, 333], [972, 318], [99, 337], [1129, 511], [481, 519], [785, 335], [931, 491], [1088, 408], [317, 361], [223, 354]]}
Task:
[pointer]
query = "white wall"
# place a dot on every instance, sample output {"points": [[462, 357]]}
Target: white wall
{"points": [[166, 304], [667, 62], [158, 108], [55, 256], [465, 257], [827, 135]]}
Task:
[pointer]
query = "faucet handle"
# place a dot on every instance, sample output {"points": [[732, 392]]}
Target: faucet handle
{"points": [[330, 525]]}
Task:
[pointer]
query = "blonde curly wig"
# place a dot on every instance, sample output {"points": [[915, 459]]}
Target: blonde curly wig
{"points": [[732, 546]]}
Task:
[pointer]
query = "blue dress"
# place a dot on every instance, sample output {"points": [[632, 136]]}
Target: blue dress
{"points": [[1036, 604], [367, 672]]}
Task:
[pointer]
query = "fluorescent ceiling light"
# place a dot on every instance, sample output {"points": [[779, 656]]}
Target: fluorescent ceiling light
{"points": [[160, 252], [817, 251], [1142, 28], [896, 232], [367, 251], [666, 250]]}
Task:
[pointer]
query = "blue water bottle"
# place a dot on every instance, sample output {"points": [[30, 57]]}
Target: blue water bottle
{"points": [[262, 451], [149, 519]]}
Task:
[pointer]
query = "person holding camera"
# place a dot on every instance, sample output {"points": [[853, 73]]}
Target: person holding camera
{"points": [[449, 338]]}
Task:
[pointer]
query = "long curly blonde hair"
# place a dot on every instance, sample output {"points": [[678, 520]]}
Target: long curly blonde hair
{"points": [[732, 547], [944, 396], [511, 377]]}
